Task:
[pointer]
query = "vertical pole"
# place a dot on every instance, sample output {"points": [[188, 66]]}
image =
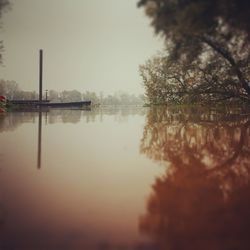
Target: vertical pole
{"points": [[40, 75], [40, 111]]}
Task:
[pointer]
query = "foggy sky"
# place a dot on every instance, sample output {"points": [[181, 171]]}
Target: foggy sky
{"points": [[94, 45]]}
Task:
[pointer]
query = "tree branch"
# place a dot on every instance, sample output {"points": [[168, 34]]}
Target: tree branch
{"points": [[224, 53]]}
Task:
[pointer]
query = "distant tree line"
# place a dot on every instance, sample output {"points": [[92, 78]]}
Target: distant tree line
{"points": [[119, 98], [11, 90], [206, 57]]}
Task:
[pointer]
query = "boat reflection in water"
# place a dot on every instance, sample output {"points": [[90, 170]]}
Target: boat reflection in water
{"points": [[202, 200]]}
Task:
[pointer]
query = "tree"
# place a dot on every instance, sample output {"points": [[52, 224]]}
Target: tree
{"points": [[194, 29], [4, 5], [71, 96], [54, 96], [88, 95], [166, 81], [9, 88]]}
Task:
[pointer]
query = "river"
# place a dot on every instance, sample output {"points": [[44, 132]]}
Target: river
{"points": [[125, 178]]}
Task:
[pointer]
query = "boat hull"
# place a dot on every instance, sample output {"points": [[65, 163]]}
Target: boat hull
{"points": [[37, 104]]}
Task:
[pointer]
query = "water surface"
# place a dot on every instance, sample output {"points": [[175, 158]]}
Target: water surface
{"points": [[160, 178]]}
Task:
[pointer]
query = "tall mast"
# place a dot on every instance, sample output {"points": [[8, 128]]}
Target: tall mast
{"points": [[40, 75]]}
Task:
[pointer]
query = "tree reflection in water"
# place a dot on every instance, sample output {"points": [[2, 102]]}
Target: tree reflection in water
{"points": [[202, 201]]}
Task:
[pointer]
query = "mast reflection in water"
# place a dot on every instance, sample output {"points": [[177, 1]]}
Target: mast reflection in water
{"points": [[80, 197], [39, 148], [202, 200]]}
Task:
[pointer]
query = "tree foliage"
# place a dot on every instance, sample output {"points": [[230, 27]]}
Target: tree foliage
{"points": [[205, 32], [166, 81], [4, 5]]}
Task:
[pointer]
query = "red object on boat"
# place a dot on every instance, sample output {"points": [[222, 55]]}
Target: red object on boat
{"points": [[2, 98]]}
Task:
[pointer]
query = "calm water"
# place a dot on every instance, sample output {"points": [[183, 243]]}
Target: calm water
{"points": [[125, 179]]}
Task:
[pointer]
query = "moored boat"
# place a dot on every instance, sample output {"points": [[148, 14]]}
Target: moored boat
{"points": [[47, 103]]}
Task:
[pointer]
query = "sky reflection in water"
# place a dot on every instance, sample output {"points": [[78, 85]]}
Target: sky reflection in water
{"points": [[125, 179]]}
